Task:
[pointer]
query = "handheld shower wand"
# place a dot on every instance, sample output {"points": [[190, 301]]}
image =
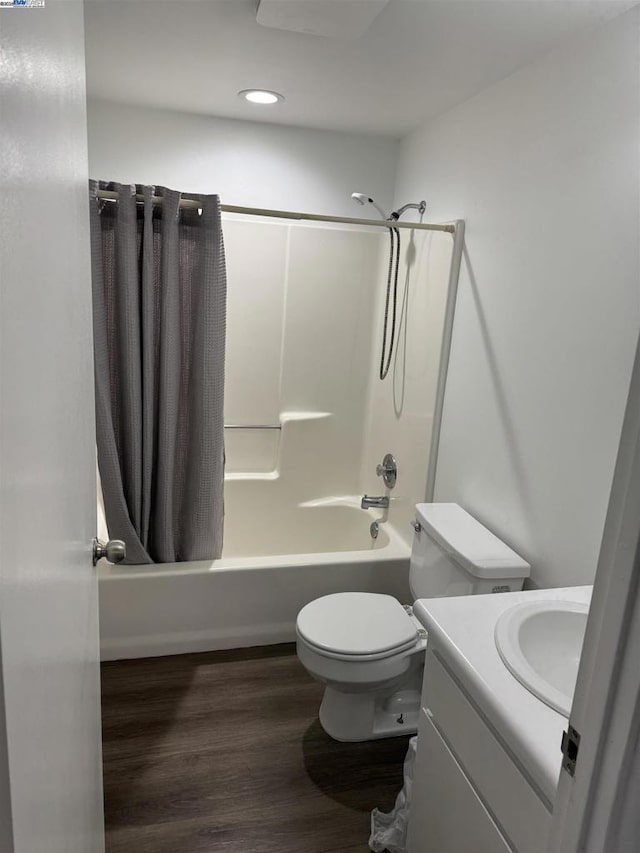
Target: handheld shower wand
{"points": [[363, 198]]}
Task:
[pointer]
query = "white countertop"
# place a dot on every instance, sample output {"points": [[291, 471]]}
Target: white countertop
{"points": [[462, 629]]}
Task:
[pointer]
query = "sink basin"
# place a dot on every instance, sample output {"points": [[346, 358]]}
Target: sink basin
{"points": [[540, 644]]}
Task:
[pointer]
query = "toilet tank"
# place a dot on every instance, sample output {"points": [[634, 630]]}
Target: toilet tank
{"points": [[453, 554]]}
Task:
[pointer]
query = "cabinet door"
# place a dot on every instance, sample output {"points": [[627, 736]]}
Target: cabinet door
{"points": [[447, 816], [516, 808]]}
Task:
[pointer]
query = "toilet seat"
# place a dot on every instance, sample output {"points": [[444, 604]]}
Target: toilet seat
{"points": [[357, 626]]}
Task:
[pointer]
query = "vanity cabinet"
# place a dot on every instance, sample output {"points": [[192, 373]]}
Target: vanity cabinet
{"points": [[469, 794]]}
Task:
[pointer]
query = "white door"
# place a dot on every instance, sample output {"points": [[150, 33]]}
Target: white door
{"points": [[596, 809], [50, 748]]}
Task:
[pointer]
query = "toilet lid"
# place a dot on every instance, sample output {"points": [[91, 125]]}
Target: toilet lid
{"points": [[357, 623]]}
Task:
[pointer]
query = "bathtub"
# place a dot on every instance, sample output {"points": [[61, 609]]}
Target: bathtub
{"points": [[277, 557]]}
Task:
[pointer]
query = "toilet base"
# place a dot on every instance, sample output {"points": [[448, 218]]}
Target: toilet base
{"points": [[369, 716]]}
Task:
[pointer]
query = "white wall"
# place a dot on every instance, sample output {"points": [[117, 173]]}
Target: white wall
{"points": [[246, 163], [544, 169]]}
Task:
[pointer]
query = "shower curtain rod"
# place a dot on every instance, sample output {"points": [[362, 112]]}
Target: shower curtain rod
{"points": [[110, 195]]}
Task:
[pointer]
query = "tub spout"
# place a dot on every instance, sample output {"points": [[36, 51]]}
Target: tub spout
{"points": [[370, 502]]}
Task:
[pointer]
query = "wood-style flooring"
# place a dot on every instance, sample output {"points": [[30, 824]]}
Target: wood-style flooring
{"points": [[222, 752]]}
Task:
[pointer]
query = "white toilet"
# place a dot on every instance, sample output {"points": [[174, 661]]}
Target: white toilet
{"points": [[370, 650]]}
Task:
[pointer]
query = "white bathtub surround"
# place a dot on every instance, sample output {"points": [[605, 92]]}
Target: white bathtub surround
{"points": [[483, 735], [543, 167], [299, 331], [369, 650], [400, 409]]}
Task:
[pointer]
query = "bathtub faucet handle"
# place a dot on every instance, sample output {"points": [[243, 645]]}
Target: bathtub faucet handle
{"points": [[388, 470]]}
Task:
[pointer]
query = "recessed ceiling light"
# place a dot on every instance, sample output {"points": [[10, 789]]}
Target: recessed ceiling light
{"points": [[261, 96]]}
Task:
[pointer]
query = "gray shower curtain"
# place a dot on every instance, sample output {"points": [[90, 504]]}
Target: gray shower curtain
{"points": [[159, 316]]}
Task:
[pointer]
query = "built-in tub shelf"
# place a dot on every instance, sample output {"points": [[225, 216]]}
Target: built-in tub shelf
{"points": [[284, 417], [253, 426], [264, 448]]}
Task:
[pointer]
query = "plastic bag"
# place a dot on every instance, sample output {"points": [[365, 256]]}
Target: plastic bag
{"points": [[389, 831]]}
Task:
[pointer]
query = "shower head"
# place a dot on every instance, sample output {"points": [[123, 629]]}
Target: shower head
{"points": [[363, 198]]}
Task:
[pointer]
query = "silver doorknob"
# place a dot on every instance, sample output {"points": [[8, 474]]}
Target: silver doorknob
{"points": [[114, 551]]}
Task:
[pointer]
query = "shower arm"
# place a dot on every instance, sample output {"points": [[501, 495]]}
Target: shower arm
{"points": [[421, 207]]}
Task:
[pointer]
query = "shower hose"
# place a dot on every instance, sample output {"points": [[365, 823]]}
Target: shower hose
{"points": [[392, 279]]}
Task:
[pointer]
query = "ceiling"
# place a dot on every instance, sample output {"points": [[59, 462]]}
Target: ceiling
{"points": [[416, 60]]}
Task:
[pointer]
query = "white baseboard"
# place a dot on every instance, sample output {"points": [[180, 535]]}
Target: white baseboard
{"points": [[156, 645]]}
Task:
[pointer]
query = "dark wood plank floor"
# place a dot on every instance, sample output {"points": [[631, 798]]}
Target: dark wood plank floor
{"points": [[223, 752]]}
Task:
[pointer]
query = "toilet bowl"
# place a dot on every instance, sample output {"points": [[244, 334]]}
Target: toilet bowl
{"points": [[369, 649]]}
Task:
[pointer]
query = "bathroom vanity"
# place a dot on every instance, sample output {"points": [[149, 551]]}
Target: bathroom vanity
{"points": [[488, 754]]}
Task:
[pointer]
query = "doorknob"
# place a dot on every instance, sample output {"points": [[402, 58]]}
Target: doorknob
{"points": [[115, 550]]}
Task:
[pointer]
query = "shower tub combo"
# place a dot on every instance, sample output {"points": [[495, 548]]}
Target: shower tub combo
{"points": [[294, 529]]}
